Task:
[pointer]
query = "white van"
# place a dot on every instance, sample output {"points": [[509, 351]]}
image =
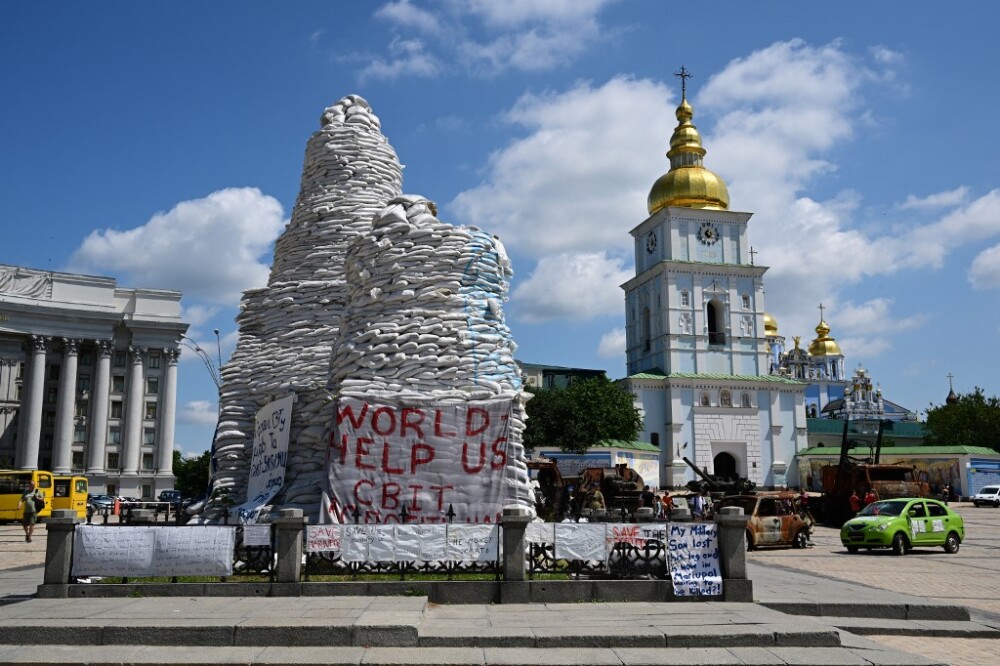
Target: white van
{"points": [[987, 495]]}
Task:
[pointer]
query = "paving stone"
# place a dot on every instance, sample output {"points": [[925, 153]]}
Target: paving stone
{"points": [[312, 656], [719, 636], [551, 657], [598, 636], [478, 637], [671, 657], [459, 656], [195, 656], [151, 633], [294, 632], [818, 657]]}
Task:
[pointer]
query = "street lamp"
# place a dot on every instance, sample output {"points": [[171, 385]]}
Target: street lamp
{"points": [[213, 371]]}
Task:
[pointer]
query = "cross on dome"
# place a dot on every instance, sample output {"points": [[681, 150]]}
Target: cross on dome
{"points": [[683, 75]]}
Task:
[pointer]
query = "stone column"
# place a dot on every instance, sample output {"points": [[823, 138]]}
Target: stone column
{"points": [[98, 439], [62, 453], [515, 521], [290, 525], [28, 445], [134, 414], [59, 546], [732, 542], [168, 414]]}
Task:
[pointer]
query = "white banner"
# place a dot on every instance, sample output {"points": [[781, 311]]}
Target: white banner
{"points": [[153, 551], [385, 457], [406, 543], [693, 552], [635, 534], [416, 543], [581, 541], [257, 535], [473, 543], [323, 538], [538, 532], [270, 456]]}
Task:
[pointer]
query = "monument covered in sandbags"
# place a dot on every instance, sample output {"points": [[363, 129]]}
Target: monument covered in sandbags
{"points": [[376, 307]]}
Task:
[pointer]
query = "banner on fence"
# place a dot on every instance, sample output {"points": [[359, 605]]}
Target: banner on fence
{"points": [[387, 457], [693, 554], [390, 542], [257, 535], [270, 455], [581, 541], [153, 551]]}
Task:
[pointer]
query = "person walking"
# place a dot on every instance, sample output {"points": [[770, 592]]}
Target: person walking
{"points": [[30, 515], [855, 502]]}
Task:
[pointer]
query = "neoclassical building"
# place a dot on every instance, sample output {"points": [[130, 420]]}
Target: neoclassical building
{"points": [[698, 356], [88, 379]]}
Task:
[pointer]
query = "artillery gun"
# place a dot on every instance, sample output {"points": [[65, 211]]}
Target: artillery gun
{"points": [[717, 487]]}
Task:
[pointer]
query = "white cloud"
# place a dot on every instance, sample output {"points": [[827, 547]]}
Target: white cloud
{"points": [[571, 286], [579, 180], [409, 58], [954, 197], [886, 56], [486, 37], [984, 273], [196, 315], [198, 412], [210, 249], [612, 344]]}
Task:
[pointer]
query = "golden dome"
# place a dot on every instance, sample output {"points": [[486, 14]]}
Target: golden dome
{"points": [[770, 325], [824, 345], [688, 183]]}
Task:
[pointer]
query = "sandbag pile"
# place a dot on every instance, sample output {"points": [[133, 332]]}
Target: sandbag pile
{"points": [[425, 321], [287, 328]]}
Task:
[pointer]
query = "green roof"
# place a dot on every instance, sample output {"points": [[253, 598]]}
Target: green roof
{"points": [[625, 444], [770, 379], [866, 451], [915, 429]]}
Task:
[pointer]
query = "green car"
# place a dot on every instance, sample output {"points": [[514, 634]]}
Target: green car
{"points": [[902, 524]]}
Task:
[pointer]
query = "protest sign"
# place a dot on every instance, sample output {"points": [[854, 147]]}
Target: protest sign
{"points": [[269, 458], [322, 538], [204, 550], [257, 535], [693, 553], [387, 457], [473, 543], [581, 541]]}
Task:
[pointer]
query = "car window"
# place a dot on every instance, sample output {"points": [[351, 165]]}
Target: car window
{"points": [[936, 509], [767, 507], [884, 508], [918, 508], [989, 490]]}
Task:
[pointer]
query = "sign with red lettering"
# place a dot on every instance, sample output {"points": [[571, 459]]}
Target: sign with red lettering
{"points": [[387, 457]]}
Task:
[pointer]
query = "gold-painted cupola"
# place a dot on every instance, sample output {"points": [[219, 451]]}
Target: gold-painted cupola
{"points": [[688, 183]]}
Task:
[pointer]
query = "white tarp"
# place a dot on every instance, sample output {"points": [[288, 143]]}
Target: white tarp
{"points": [[693, 552], [270, 457], [580, 541], [204, 550], [406, 543], [384, 457]]}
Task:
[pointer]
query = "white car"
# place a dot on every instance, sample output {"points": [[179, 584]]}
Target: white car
{"points": [[987, 495]]}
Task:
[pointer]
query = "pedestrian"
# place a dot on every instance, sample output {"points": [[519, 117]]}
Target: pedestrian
{"points": [[855, 502], [30, 514], [946, 494], [668, 504], [870, 496], [647, 499]]}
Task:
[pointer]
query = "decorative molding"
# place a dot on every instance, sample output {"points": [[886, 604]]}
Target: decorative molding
{"points": [[19, 282], [71, 346], [105, 347], [137, 354], [40, 344], [171, 355]]}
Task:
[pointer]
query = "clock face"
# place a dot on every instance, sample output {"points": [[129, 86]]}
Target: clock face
{"points": [[650, 242], [708, 234]]}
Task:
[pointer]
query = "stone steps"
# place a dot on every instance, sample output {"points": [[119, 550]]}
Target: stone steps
{"points": [[455, 656]]}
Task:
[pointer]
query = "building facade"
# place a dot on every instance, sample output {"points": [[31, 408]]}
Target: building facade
{"points": [[698, 356], [88, 379]]}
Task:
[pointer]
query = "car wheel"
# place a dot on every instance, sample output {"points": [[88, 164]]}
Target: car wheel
{"points": [[852, 549], [800, 540], [996, 504], [899, 544], [952, 543], [975, 504]]}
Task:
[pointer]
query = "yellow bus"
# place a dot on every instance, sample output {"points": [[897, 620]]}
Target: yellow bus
{"points": [[70, 492], [14, 483]]}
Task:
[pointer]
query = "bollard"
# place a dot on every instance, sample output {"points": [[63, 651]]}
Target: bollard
{"points": [[59, 546], [515, 521], [290, 525], [732, 542]]}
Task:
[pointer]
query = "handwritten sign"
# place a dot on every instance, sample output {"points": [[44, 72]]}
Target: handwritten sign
{"points": [[473, 543], [581, 541], [635, 535], [693, 552], [153, 551], [270, 456], [385, 457], [257, 535], [421, 543], [323, 538]]}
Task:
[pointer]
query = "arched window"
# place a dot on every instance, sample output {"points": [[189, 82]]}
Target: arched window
{"points": [[745, 400], [716, 325], [705, 402], [646, 342], [726, 399]]}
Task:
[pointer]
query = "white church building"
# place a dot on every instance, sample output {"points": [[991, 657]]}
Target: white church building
{"points": [[699, 360]]}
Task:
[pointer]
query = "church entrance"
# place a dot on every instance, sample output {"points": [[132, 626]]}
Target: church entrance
{"points": [[724, 465]]}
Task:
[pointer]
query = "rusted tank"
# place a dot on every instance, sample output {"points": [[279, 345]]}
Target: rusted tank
{"points": [[716, 486], [551, 497], [620, 485]]}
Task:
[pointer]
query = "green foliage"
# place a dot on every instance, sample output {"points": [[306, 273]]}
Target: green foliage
{"points": [[579, 416], [192, 473], [972, 421]]}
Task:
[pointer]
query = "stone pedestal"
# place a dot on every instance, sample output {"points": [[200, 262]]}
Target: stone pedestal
{"points": [[732, 542], [288, 544], [59, 546], [515, 521]]}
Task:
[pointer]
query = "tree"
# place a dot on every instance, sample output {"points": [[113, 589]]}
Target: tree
{"points": [[973, 420], [192, 473], [579, 416]]}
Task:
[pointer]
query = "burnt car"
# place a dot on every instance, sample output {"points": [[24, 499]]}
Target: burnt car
{"points": [[776, 518]]}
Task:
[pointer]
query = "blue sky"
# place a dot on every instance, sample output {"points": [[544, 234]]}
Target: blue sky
{"points": [[162, 144]]}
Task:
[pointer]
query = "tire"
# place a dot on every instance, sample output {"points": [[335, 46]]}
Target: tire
{"points": [[952, 543], [800, 540], [900, 544], [975, 504], [852, 549], [996, 504]]}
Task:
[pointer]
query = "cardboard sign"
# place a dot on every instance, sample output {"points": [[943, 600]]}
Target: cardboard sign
{"points": [[693, 553], [270, 457]]}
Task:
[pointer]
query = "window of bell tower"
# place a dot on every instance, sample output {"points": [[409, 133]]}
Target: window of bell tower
{"points": [[716, 325]]}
